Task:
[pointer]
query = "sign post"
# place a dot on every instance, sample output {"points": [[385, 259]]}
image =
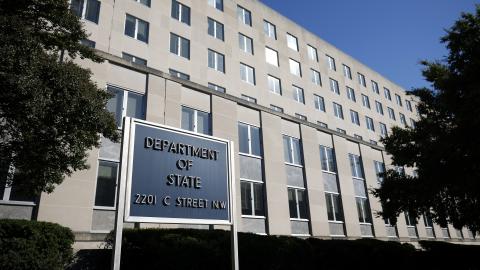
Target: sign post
{"points": [[174, 176]]}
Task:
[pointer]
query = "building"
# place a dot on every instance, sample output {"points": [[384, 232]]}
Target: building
{"points": [[305, 117]]}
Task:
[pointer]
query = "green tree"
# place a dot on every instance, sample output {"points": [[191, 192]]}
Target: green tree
{"points": [[444, 146], [51, 113]]}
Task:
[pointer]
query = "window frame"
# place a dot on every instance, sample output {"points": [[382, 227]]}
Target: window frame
{"points": [[354, 117], [379, 107], [369, 123], [275, 79], [252, 197], [180, 40], [297, 205], [267, 27], [243, 42], [182, 10], [84, 10], [338, 110], [315, 77], [351, 94], [290, 39], [195, 120], [319, 103], [296, 163], [347, 72], [135, 34], [99, 207], [375, 88], [298, 94], [244, 15], [268, 52], [331, 63], [216, 26], [296, 63], [214, 4], [247, 77], [361, 79], [217, 57], [366, 101], [249, 141], [334, 87], [312, 53]]}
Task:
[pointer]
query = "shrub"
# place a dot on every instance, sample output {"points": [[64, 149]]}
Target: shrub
{"points": [[34, 245]]}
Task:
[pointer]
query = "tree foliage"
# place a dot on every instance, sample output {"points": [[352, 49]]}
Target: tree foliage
{"points": [[51, 113], [444, 146]]}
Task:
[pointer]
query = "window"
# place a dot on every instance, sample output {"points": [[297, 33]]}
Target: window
{"points": [[379, 170], [247, 74], [370, 125], [216, 87], [269, 29], [343, 131], [334, 86], [8, 190], [136, 28], [249, 140], [375, 87], [337, 110], [88, 43], [402, 119], [387, 93], [410, 219], [315, 77], [356, 166], [399, 100], [391, 113], [383, 130], [363, 209], [427, 220], [322, 124], [379, 107], [125, 103], [409, 105], [216, 61], [301, 116], [179, 46], [331, 63], [215, 29], [274, 85], [291, 151], [249, 98], [195, 120], [134, 59], [347, 72], [334, 207], [218, 4], [244, 16], [312, 53], [292, 42], [252, 198], [245, 43], [179, 74], [374, 142], [144, 2], [356, 136], [351, 94], [365, 101], [86, 9], [181, 12], [276, 108], [327, 158], [412, 123], [319, 103], [271, 56], [354, 117], [295, 68], [107, 176], [298, 94], [297, 203], [361, 79]]}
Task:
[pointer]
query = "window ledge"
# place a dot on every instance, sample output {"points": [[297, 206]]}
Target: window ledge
{"points": [[299, 219], [19, 203], [104, 208], [253, 217]]}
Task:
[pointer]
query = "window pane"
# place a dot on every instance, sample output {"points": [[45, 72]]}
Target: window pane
{"points": [[203, 122], [287, 154], [173, 43], [186, 14], [135, 106], [130, 26], [292, 204], [20, 195], [115, 104], [255, 141], [187, 119], [243, 138], [106, 182], [77, 7], [142, 33], [185, 48], [175, 9], [331, 160], [302, 204], [92, 10], [360, 212], [245, 188], [338, 207], [330, 210], [258, 200], [220, 31], [211, 59], [296, 152], [211, 29]]}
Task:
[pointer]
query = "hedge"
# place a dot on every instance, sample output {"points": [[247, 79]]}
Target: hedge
{"points": [[34, 245]]}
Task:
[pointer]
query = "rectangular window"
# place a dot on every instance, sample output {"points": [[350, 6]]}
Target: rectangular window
{"points": [[88, 43], [144, 2], [315, 77], [370, 125], [274, 85], [361, 79], [399, 100], [181, 12], [301, 116], [356, 136], [312, 53], [298, 94], [334, 207], [252, 198], [343, 131], [107, 177], [195, 120], [402, 119], [409, 105], [347, 72], [334, 86], [216, 61], [215, 29], [244, 16], [269, 29], [351, 94], [136, 28], [375, 87], [337, 110], [134, 59], [391, 113], [125, 103], [331, 63], [218, 4], [322, 124], [245, 43], [356, 166], [276, 108], [292, 42], [427, 220], [379, 107], [327, 159], [291, 150], [295, 68], [8, 190], [179, 46], [410, 219], [383, 130], [379, 170], [365, 101], [247, 74], [386, 91], [297, 203], [271, 56], [354, 117], [249, 98], [249, 140], [363, 209], [86, 9], [179, 74], [319, 103], [412, 123], [216, 87]]}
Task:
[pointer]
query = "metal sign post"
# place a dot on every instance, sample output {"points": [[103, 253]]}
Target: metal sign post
{"points": [[169, 175]]}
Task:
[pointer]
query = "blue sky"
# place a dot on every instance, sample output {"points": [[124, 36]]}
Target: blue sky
{"points": [[389, 36]]}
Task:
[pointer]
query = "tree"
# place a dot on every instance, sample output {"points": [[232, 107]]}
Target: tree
{"points": [[51, 113], [444, 147]]}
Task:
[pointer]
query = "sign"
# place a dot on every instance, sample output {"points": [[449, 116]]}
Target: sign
{"points": [[176, 176]]}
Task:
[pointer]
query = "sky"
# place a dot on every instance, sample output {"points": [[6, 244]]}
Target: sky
{"points": [[389, 36]]}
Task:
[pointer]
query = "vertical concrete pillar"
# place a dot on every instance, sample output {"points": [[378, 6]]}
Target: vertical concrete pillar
{"points": [[173, 106], [156, 99]]}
